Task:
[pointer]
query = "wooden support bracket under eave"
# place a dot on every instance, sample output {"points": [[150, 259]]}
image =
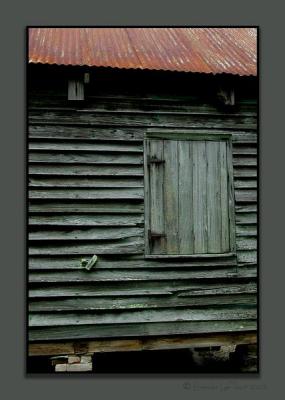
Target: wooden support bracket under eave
{"points": [[75, 90], [226, 96]]}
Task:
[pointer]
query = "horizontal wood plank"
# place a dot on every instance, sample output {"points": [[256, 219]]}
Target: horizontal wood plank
{"points": [[98, 233], [247, 256], [100, 194], [85, 146], [82, 182], [244, 195], [249, 218], [85, 206], [127, 275], [87, 220], [59, 133], [142, 330], [130, 245], [124, 317], [135, 303], [51, 157], [156, 287], [131, 262], [141, 119], [83, 170], [76, 133]]}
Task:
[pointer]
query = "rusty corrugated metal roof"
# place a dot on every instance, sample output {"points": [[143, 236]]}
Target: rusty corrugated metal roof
{"points": [[206, 50]]}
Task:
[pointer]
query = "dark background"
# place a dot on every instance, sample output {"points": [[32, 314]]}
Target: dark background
{"points": [[15, 16]]}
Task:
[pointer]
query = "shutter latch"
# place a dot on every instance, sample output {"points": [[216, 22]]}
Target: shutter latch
{"points": [[154, 235], [154, 160]]}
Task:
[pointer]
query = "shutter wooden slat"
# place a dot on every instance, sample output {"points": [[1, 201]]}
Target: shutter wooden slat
{"points": [[199, 197], [185, 198], [231, 198], [157, 197], [213, 197], [171, 196], [225, 245]]}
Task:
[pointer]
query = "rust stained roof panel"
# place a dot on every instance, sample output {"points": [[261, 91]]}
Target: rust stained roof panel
{"points": [[204, 50]]}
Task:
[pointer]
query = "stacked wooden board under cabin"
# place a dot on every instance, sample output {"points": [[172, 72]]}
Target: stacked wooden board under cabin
{"points": [[86, 191]]}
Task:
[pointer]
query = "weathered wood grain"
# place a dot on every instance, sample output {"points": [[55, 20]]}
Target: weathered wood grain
{"points": [[85, 146], [244, 172], [244, 195], [123, 317], [133, 108], [51, 157], [59, 133], [111, 129], [219, 290], [83, 206], [213, 197], [75, 133], [155, 212], [251, 208], [243, 149], [171, 196], [231, 197], [135, 303], [83, 182], [131, 262], [127, 288], [140, 119], [98, 233], [244, 161], [249, 218], [114, 100], [83, 170], [186, 134], [245, 183], [87, 220], [225, 235], [247, 256], [127, 275], [142, 330], [76, 193], [185, 198], [131, 245], [200, 197], [127, 103], [246, 243], [246, 230]]}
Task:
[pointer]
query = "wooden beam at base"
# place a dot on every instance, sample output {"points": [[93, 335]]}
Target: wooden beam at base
{"points": [[157, 343]]}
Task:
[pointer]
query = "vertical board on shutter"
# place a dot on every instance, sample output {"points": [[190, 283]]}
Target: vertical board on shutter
{"points": [[199, 196], [171, 196], [213, 197], [231, 197], [147, 209], [156, 171], [225, 245], [185, 198]]}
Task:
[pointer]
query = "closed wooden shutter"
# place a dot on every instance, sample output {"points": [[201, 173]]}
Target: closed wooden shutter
{"points": [[189, 196]]}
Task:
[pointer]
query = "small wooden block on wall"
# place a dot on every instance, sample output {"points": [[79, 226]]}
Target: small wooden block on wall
{"points": [[75, 90]]}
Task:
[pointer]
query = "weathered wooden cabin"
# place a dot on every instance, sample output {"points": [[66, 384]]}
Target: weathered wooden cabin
{"points": [[142, 188]]}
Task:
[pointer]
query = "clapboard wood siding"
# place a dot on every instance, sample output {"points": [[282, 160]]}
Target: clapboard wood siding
{"points": [[86, 196], [145, 329]]}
